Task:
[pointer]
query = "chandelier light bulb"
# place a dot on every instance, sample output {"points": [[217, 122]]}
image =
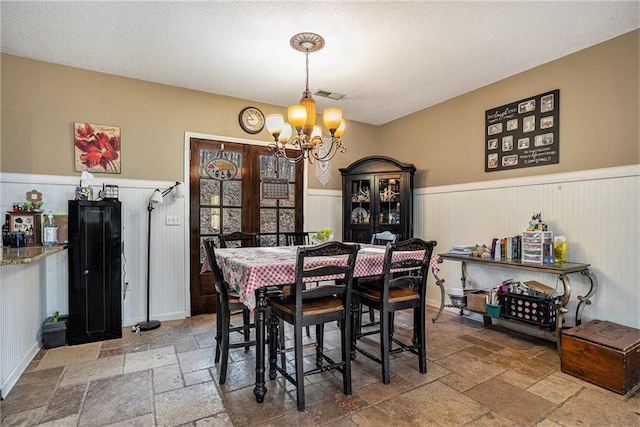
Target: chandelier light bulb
{"points": [[274, 123], [341, 128], [297, 116], [285, 135], [332, 118]]}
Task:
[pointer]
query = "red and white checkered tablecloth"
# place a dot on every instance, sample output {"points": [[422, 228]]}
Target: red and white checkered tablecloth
{"points": [[247, 269]]}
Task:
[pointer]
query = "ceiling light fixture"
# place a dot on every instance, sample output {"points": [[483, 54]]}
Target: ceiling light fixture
{"points": [[302, 118]]}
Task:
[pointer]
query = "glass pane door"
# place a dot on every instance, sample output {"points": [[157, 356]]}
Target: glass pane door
{"points": [[221, 185], [389, 201], [278, 198]]}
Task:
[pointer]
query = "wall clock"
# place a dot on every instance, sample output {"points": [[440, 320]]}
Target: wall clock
{"points": [[251, 120]]}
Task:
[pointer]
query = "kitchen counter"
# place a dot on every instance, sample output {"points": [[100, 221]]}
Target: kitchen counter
{"points": [[28, 254]]}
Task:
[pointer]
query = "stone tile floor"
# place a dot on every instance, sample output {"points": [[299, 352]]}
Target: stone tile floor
{"points": [[476, 376]]}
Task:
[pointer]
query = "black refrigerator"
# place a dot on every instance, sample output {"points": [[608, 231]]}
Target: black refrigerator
{"points": [[95, 288]]}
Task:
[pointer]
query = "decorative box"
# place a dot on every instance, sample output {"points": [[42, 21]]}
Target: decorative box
{"points": [[604, 353]]}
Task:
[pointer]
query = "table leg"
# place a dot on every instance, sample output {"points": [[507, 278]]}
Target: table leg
{"points": [[562, 309], [259, 318], [440, 284], [585, 299]]}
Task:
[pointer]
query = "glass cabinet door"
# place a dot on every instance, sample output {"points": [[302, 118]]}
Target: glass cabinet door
{"points": [[361, 201], [388, 201]]}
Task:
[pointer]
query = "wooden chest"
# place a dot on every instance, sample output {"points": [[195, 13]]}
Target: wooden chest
{"points": [[604, 353]]}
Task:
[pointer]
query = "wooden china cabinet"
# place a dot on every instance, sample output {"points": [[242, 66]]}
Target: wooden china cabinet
{"points": [[377, 195]]}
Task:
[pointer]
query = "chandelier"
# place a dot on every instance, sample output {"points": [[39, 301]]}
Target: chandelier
{"points": [[302, 118]]}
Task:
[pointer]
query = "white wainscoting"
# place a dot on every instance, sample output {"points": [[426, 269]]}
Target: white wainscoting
{"points": [[22, 312], [324, 210], [598, 212], [169, 277]]}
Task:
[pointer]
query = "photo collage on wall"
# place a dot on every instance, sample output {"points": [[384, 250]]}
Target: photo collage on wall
{"points": [[523, 134]]}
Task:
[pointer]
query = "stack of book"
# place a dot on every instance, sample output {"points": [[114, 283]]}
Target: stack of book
{"points": [[462, 249], [510, 247]]}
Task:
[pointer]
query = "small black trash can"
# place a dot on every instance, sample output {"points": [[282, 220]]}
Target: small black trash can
{"points": [[54, 334]]}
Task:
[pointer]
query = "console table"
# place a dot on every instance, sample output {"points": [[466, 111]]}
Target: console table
{"points": [[561, 270]]}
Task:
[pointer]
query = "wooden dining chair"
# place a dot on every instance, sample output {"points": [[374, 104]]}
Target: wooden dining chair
{"points": [[403, 286], [329, 301], [297, 238], [228, 303], [383, 238], [239, 238]]}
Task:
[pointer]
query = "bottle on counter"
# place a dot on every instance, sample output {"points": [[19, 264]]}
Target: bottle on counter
{"points": [[5, 234], [50, 232]]}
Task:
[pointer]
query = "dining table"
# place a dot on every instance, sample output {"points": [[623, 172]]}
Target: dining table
{"points": [[252, 270]]}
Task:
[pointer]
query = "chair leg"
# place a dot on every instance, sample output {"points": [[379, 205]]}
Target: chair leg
{"points": [[246, 319], [299, 366], [345, 333], [355, 308], [319, 344], [218, 334], [419, 315], [225, 348], [385, 319], [281, 340]]}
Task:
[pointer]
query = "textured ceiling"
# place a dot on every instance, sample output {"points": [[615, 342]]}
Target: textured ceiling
{"points": [[390, 59]]}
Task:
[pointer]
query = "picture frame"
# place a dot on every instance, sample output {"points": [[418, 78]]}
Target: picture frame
{"points": [[523, 133], [546, 103], [96, 148], [507, 143], [546, 122], [494, 129], [527, 106], [510, 160], [529, 124]]}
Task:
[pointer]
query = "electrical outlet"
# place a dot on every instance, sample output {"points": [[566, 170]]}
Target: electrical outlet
{"points": [[173, 220]]}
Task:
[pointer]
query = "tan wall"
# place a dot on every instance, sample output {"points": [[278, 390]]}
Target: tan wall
{"points": [[41, 101], [599, 115]]}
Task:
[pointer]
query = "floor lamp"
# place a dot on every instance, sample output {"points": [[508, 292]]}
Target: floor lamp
{"points": [[156, 198]]}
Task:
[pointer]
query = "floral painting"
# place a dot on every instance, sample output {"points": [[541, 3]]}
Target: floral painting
{"points": [[96, 148]]}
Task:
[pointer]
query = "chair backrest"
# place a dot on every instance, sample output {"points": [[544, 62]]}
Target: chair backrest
{"points": [[310, 267], [218, 278], [297, 238], [406, 264], [383, 238], [239, 239]]}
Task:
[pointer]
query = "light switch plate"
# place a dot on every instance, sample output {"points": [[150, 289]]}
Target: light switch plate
{"points": [[173, 220]]}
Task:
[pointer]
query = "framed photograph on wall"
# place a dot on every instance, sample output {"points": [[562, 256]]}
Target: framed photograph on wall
{"points": [[523, 133], [96, 148]]}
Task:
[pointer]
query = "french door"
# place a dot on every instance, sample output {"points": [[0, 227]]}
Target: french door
{"points": [[237, 187]]}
